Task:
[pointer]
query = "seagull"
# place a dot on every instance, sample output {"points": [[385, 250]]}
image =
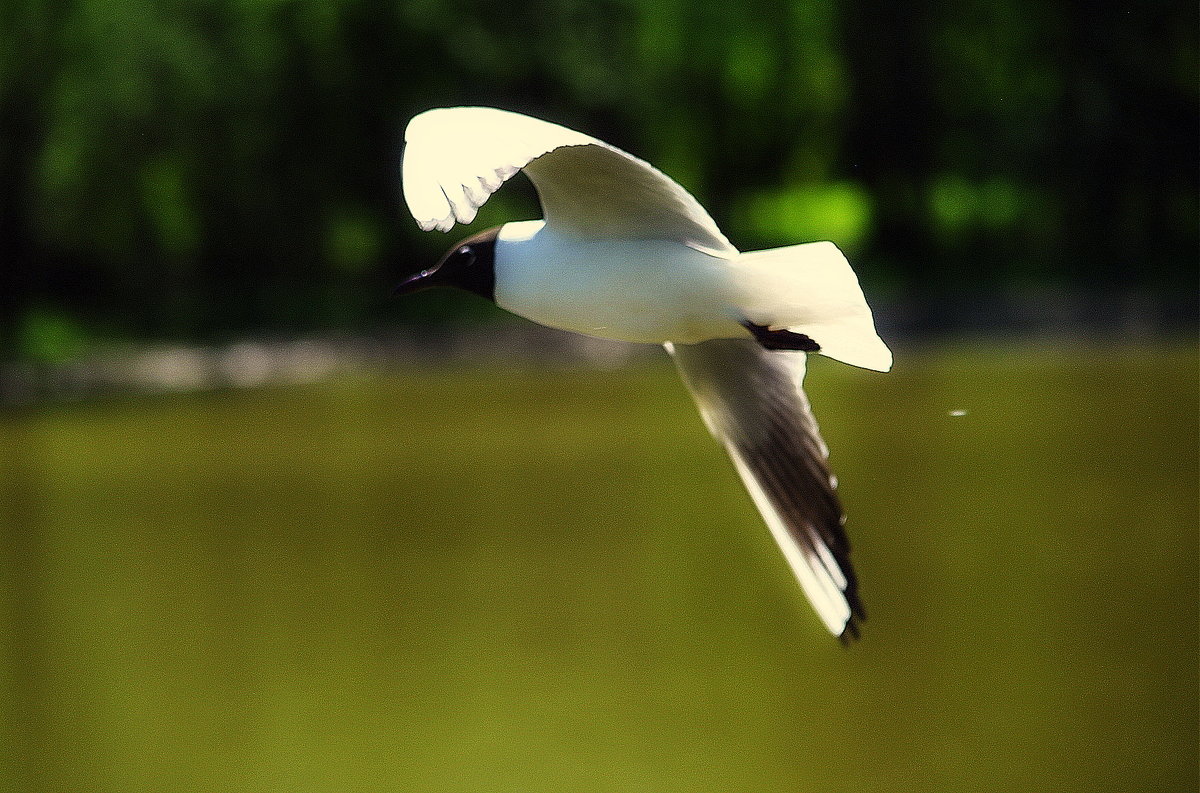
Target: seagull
{"points": [[624, 252]]}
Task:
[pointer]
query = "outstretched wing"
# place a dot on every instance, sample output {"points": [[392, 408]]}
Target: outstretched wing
{"points": [[454, 158], [753, 402]]}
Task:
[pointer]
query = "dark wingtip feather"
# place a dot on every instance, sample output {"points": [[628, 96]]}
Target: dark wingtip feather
{"points": [[858, 613], [852, 632]]}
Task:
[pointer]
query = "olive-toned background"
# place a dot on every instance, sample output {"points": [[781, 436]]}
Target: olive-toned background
{"points": [[494, 579]]}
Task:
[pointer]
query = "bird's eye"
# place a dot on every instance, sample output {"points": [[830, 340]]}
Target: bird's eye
{"points": [[466, 255]]}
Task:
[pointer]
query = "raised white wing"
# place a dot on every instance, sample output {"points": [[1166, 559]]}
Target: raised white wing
{"points": [[753, 402], [455, 157]]}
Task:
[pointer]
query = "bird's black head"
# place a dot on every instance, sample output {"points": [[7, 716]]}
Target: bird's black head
{"points": [[469, 265]]}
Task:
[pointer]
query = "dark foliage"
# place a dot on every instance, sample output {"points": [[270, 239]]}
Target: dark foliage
{"points": [[202, 168]]}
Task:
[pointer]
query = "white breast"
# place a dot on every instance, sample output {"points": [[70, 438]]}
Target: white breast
{"points": [[632, 290]]}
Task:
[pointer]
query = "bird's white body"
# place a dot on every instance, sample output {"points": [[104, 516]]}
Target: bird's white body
{"points": [[626, 253], [632, 290], [657, 291]]}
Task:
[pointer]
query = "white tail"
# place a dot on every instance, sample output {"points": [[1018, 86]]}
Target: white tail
{"points": [[811, 289]]}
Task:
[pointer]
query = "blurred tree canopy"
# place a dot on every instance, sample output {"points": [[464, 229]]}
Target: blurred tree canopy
{"points": [[203, 168]]}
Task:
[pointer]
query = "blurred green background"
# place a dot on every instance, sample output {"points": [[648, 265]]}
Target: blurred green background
{"points": [[200, 169], [262, 529]]}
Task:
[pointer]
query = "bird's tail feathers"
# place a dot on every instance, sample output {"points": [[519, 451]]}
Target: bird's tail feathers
{"points": [[811, 289]]}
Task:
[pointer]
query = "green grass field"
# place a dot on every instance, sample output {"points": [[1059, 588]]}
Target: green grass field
{"points": [[546, 580]]}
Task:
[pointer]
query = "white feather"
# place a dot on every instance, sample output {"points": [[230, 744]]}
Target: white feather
{"points": [[456, 157], [811, 289]]}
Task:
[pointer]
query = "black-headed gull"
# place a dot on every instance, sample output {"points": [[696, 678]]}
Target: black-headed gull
{"points": [[626, 253]]}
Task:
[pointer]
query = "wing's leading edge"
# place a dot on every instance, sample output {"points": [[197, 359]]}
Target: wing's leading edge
{"points": [[455, 158]]}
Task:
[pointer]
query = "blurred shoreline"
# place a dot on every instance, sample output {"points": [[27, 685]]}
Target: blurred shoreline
{"points": [[159, 367]]}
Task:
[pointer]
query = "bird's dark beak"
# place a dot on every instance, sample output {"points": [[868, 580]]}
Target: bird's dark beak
{"points": [[415, 283]]}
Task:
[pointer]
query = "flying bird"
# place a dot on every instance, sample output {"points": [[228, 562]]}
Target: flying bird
{"points": [[624, 252]]}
